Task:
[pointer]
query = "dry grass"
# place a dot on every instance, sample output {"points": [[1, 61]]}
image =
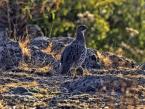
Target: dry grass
{"points": [[6, 87], [3, 105], [24, 47], [48, 50], [110, 60], [30, 68], [104, 59]]}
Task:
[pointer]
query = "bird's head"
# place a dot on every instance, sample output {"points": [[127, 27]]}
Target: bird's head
{"points": [[82, 29]]}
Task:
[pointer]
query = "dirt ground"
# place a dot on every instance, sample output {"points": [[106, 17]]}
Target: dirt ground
{"points": [[38, 90]]}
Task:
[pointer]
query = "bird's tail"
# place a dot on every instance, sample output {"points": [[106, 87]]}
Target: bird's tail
{"points": [[65, 69]]}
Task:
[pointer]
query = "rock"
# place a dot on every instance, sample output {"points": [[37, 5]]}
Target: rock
{"points": [[3, 38], [3, 57], [91, 61], [34, 31], [44, 42], [40, 42], [46, 51], [19, 90], [92, 84], [14, 99], [64, 40], [10, 55], [14, 52], [110, 60], [57, 46], [10, 52], [41, 59]]}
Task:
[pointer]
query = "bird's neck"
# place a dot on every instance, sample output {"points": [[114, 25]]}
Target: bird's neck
{"points": [[80, 37]]}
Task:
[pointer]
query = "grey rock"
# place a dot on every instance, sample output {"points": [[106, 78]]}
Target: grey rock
{"points": [[58, 43], [14, 98], [40, 42], [14, 52], [91, 61], [19, 90], [64, 40], [57, 46], [34, 31], [44, 42], [5, 61], [92, 84], [10, 55], [38, 58], [10, 52], [2, 54], [3, 37]]}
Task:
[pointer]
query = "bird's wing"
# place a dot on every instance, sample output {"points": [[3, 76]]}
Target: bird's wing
{"points": [[71, 53], [66, 55]]}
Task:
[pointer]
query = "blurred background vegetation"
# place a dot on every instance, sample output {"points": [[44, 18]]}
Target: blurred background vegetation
{"points": [[114, 25]]}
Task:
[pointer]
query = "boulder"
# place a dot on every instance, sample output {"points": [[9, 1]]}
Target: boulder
{"points": [[3, 37], [10, 52], [91, 61], [40, 58], [19, 90], [92, 84], [46, 51], [40, 42], [14, 52]]}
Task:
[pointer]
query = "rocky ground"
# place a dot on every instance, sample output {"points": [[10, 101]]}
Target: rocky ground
{"points": [[30, 78]]}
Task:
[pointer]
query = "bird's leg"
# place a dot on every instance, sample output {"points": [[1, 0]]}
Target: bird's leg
{"points": [[79, 71], [72, 72]]}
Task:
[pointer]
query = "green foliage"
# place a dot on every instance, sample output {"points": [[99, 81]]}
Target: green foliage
{"points": [[114, 25]]}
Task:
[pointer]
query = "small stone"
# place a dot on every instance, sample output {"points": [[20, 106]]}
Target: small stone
{"points": [[19, 90]]}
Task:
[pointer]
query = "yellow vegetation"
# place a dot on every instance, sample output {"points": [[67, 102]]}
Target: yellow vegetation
{"points": [[6, 87], [2, 105], [24, 47], [48, 50], [29, 68], [104, 59]]}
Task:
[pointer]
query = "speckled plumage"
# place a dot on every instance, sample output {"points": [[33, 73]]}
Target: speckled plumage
{"points": [[75, 53]]}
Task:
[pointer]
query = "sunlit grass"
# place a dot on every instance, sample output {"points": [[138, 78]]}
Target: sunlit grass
{"points": [[48, 50], [24, 45], [6, 87], [3, 105], [35, 69]]}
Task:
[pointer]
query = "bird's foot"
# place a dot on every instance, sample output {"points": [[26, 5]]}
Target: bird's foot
{"points": [[78, 72]]}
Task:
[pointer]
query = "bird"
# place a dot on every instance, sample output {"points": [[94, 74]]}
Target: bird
{"points": [[74, 54]]}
